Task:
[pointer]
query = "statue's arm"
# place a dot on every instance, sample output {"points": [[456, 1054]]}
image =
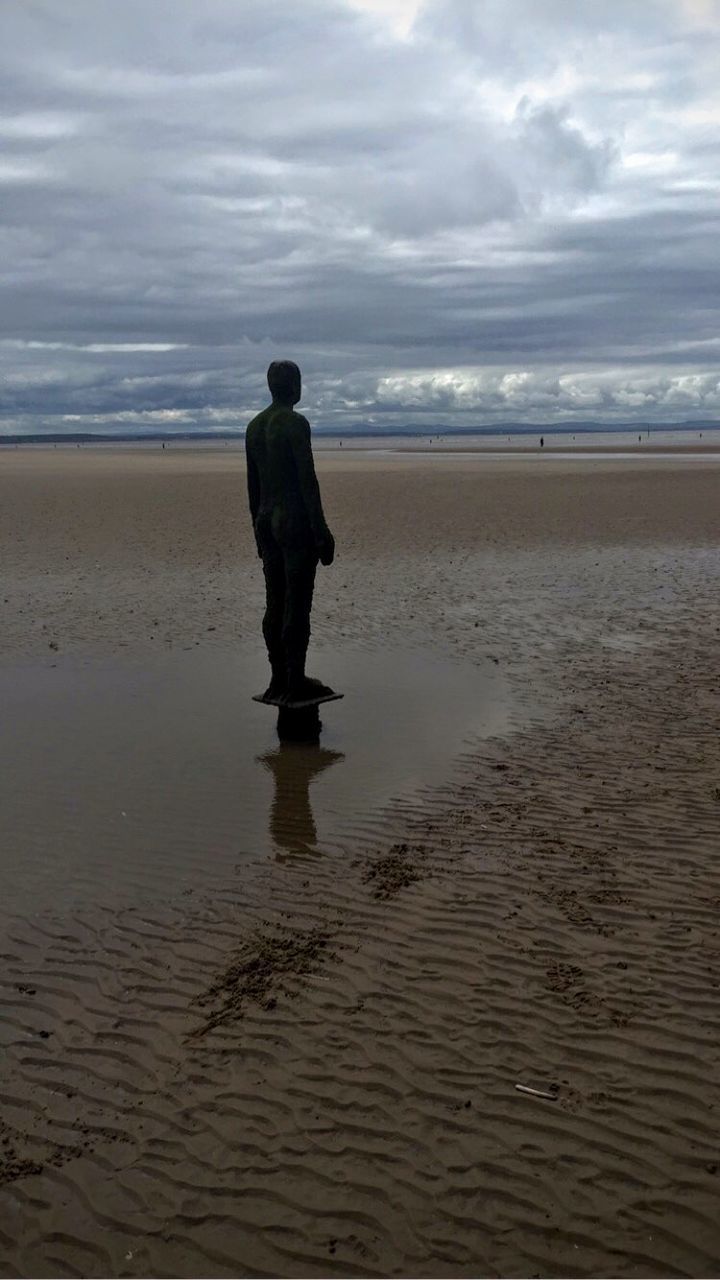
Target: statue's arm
{"points": [[253, 484], [310, 489]]}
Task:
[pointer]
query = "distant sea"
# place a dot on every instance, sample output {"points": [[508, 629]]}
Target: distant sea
{"points": [[583, 437]]}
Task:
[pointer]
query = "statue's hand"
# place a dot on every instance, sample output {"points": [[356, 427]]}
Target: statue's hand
{"points": [[326, 549]]}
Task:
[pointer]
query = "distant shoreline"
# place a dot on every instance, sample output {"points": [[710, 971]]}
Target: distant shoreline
{"points": [[370, 447]]}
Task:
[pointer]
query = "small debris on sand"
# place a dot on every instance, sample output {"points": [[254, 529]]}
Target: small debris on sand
{"points": [[260, 972], [551, 1095]]}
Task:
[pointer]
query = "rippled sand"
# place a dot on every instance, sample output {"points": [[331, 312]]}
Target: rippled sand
{"points": [[300, 1057]]}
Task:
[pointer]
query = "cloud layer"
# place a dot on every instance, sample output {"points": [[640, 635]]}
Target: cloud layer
{"points": [[479, 213]]}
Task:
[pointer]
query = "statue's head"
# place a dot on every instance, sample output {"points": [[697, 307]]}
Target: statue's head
{"points": [[284, 381]]}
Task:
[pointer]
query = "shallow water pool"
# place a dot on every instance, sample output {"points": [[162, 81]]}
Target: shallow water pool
{"points": [[138, 778]]}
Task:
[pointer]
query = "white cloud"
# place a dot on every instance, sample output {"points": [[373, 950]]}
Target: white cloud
{"points": [[398, 14], [537, 396], [38, 126]]}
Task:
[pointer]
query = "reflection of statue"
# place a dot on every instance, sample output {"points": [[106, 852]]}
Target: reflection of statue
{"points": [[290, 532], [293, 767]]}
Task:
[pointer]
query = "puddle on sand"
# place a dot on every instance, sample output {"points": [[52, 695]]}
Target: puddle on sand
{"points": [[121, 778]]}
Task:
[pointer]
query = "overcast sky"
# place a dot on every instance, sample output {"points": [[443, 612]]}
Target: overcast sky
{"points": [[463, 212]]}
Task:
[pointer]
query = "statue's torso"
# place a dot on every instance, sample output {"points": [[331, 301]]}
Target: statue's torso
{"points": [[269, 442]]}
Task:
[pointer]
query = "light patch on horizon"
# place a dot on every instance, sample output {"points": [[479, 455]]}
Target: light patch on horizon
{"points": [[96, 347]]}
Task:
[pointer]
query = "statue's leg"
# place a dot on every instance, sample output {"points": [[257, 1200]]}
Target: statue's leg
{"points": [[275, 591], [300, 565]]}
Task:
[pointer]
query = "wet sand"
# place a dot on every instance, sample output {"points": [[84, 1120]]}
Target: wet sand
{"points": [[290, 1045]]}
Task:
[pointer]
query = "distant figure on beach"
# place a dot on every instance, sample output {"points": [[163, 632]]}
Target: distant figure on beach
{"points": [[290, 531]]}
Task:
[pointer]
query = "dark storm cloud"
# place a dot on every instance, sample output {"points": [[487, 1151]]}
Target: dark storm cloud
{"points": [[509, 213]]}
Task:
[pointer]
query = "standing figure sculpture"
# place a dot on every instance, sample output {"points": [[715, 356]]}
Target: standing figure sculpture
{"points": [[290, 532]]}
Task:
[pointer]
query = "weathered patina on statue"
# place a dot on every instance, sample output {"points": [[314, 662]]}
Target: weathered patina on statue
{"points": [[291, 534]]}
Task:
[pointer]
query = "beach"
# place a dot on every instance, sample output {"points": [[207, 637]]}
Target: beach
{"points": [[266, 1011]]}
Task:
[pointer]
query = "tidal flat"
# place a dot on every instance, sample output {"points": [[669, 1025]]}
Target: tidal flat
{"points": [[265, 1010]]}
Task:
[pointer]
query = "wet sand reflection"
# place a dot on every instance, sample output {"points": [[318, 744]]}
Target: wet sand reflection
{"points": [[294, 766]]}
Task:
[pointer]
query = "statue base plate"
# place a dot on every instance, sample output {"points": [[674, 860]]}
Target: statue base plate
{"points": [[297, 706]]}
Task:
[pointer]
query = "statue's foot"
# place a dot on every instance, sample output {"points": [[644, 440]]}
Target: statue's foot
{"points": [[276, 688], [306, 688]]}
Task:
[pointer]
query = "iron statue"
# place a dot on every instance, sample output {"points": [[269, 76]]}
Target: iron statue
{"points": [[291, 534]]}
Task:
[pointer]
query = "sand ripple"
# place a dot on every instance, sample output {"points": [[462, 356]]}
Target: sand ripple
{"points": [[554, 924]]}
